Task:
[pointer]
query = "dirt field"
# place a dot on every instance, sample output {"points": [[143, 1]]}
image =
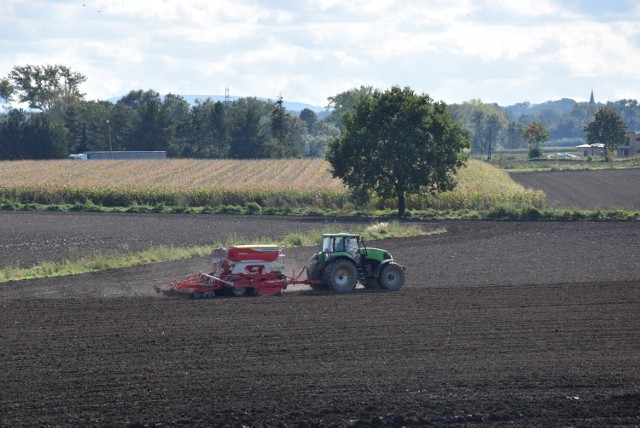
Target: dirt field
{"points": [[527, 324], [606, 189]]}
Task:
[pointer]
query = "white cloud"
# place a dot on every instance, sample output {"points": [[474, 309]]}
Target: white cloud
{"points": [[497, 50]]}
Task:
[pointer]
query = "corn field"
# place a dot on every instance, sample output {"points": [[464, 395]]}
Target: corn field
{"points": [[269, 183]]}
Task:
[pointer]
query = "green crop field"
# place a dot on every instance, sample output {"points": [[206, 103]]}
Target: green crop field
{"points": [[268, 183]]}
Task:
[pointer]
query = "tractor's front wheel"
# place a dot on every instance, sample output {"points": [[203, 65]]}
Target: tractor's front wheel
{"points": [[341, 276], [391, 277]]}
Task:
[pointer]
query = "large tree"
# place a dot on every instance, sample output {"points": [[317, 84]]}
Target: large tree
{"points": [[44, 87], [607, 128], [397, 143]]}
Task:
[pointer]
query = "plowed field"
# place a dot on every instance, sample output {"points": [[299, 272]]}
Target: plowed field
{"points": [[597, 189], [528, 324]]}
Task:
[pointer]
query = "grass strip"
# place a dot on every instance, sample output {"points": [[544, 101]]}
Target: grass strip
{"points": [[509, 212], [117, 260]]}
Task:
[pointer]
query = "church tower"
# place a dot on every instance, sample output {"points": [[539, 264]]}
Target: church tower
{"points": [[591, 100]]}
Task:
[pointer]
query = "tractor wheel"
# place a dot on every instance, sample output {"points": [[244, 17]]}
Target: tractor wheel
{"points": [[391, 277], [341, 276]]}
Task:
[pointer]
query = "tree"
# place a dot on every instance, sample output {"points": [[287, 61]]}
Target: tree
{"points": [[534, 134], [44, 87], [29, 136], [309, 117], [607, 128], [219, 129], [247, 141], [151, 125], [568, 127], [583, 112], [6, 90], [484, 122], [397, 143], [345, 102], [279, 129], [514, 137], [179, 113], [629, 111], [86, 122]]}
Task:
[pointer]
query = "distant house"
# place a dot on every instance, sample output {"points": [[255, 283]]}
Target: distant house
{"points": [[632, 146], [591, 149]]}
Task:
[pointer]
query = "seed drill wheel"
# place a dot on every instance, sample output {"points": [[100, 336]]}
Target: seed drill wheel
{"points": [[239, 291], [341, 276], [391, 277]]}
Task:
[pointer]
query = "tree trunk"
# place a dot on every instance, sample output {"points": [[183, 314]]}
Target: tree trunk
{"points": [[401, 204]]}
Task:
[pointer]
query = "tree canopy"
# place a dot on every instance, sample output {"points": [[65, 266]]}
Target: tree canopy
{"points": [[43, 87], [534, 134], [607, 128], [397, 143]]}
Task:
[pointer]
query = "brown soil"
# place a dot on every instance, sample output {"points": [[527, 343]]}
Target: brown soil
{"points": [[604, 189], [499, 323]]}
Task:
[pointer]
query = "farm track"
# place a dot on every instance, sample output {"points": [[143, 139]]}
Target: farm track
{"points": [[501, 323]]}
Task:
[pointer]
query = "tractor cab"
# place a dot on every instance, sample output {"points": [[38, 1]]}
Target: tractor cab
{"points": [[341, 243]]}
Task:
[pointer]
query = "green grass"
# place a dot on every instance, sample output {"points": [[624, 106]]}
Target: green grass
{"points": [[513, 163], [116, 260]]}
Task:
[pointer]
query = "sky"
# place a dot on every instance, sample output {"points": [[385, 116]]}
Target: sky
{"points": [[308, 50]]}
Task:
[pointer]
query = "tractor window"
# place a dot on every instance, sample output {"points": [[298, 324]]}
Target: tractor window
{"points": [[352, 246], [327, 245]]}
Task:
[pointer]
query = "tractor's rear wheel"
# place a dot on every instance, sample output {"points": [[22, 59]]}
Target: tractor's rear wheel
{"points": [[391, 277], [341, 276]]}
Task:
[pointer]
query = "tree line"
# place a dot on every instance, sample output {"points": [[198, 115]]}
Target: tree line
{"points": [[566, 122], [61, 121]]}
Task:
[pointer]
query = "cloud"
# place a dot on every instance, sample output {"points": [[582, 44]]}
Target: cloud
{"points": [[497, 50]]}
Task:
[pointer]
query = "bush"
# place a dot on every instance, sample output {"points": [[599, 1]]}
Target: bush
{"points": [[253, 208]]}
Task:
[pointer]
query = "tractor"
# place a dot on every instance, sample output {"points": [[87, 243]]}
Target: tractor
{"points": [[345, 260], [242, 270]]}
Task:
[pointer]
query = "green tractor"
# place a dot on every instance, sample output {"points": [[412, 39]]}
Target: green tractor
{"points": [[345, 260]]}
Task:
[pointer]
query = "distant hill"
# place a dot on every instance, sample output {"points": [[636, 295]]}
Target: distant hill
{"points": [[563, 105], [292, 106]]}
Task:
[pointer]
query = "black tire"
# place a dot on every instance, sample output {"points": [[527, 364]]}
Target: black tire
{"points": [[314, 270], [341, 276], [391, 277]]}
